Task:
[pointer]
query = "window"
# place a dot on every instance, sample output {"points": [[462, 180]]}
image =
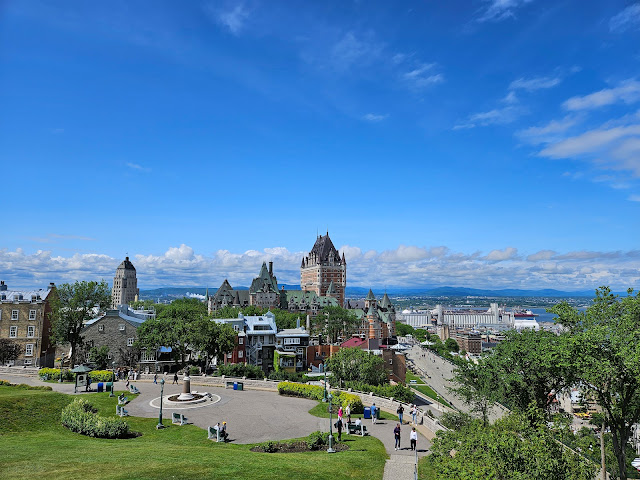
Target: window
{"points": [[14, 314], [236, 328], [240, 354], [228, 355], [129, 342], [108, 356], [29, 350], [27, 361], [240, 340], [31, 331], [101, 328], [13, 331], [121, 327], [32, 314]]}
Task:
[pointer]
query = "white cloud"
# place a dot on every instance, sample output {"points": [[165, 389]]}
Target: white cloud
{"points": [[423, 76], [627, 91], [498, 10], [634, 198], [135, 166], [374, 117], [233, 19], [536, 83], [547, 133], [352, 49], [629, 18], [407, 265]]}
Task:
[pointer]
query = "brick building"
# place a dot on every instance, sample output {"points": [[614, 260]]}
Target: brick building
{"points": [[324, 271], [25, 319], [377, 319]]}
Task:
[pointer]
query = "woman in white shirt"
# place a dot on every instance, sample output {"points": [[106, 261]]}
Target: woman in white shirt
{"points": [[413, 436]]}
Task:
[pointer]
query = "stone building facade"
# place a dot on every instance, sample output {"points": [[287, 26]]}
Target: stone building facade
{"points": [[324, 271], [117, 329], [125, 285], [25, 320], [377, 319]]}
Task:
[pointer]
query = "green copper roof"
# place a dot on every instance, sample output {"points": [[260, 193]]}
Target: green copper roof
{"points": [[370, 295]]}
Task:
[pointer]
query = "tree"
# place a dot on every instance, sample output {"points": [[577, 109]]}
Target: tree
{"points": [[73, 305], [9, 350], [510, 449], [99, 356], [530, 365], [164, 332], [338, 322], [355, 365], [477, 385], [402, 330], [604, 344], [451, 345], [210, 338]]}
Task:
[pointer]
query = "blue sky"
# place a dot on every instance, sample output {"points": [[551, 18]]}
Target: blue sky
{"points": [[486, 143]]}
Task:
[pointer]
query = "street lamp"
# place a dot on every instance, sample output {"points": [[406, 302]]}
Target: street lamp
{"points": [[324, 394], [330, 449], [160, 425], [113, 379]]}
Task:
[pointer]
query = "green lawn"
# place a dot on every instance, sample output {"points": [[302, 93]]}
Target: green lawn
{"points": [[412, 376], [428, 391], [34, 444], [322, 410]]}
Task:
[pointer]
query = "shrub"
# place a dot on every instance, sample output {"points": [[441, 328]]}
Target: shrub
{"points": [[344, 398], [399, 392], [288, 376], [101, 376], [54, 374], [80, 416], [301, 390], [193, 370], [241, 370], [317, 439]]}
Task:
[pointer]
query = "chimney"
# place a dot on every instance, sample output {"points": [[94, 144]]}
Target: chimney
{"points": [[51, 286], [308, 323], [3, 287], [126, 259], [271, 269]]}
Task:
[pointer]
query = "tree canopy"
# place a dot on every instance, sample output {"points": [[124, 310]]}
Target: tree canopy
{"points": [[73, 305], [9, 350], [355, 365], [336, 322]]}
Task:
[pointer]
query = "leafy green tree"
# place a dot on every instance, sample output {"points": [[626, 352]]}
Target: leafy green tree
{"points": [[72, 306], [451, 345], [286, 319], [603, 343], [99, 356], [336, 322], [402, 330], [164, 332], [421, 334], [356, 365], [511, 449], [9, 350], [185, 309], [210, 338], [478, 385]]}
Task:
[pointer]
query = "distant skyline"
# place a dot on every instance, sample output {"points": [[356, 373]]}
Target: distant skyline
{"points": [[480, 143]]}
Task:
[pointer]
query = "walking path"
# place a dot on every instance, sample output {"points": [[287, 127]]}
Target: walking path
{"points": [[257, 416]]}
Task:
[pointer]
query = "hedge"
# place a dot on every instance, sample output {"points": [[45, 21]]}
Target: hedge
{"points": [[317, 393], [54, 374], [399, 392], [101, 376], [80, 416]]}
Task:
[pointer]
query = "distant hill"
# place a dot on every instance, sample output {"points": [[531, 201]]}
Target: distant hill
{"points": [[356, 292]]}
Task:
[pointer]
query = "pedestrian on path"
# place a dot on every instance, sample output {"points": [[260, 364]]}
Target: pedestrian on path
{"points": [[414, 413], [413, 436], [400, 411], [175, 378], [340, 413], [339, 427], [155, 378], [396, 434], [347, 412], [373, 413]]}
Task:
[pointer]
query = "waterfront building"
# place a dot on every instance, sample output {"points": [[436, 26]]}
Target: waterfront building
{"points": [[25, 320], [125, 285], [496, 318]]}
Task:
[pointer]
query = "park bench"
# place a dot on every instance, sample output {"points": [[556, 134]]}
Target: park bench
{"points": [[213, 434], [178, 419], [122, 400], [121, 412], [357, 429], [134, 389]]}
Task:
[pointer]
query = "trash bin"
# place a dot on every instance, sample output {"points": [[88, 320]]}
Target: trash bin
{"points": [[235, 385], [100, 386], [377, 414], [108, 387], [367, 412], [240, 386]]}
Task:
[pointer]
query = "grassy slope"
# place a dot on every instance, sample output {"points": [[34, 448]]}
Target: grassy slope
{"points": [[34, 443], [322, 410]]}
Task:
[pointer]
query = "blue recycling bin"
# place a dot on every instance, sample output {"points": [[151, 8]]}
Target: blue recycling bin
{"points": [[235, 385], [100, 387], [367, 412]]}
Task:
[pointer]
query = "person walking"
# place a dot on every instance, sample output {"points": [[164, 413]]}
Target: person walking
{"points": [[413, 437], [373, 413], [414, 413], [347, 412], [175, 378], [340, 413], [155, 378], [396, 434], [339, 427], [400, 411]]}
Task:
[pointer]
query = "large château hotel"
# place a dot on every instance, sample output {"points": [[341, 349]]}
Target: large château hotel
{"points": [[323, 271]]}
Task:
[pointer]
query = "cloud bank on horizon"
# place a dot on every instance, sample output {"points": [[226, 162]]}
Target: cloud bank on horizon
{"points": [[406, 266]]}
